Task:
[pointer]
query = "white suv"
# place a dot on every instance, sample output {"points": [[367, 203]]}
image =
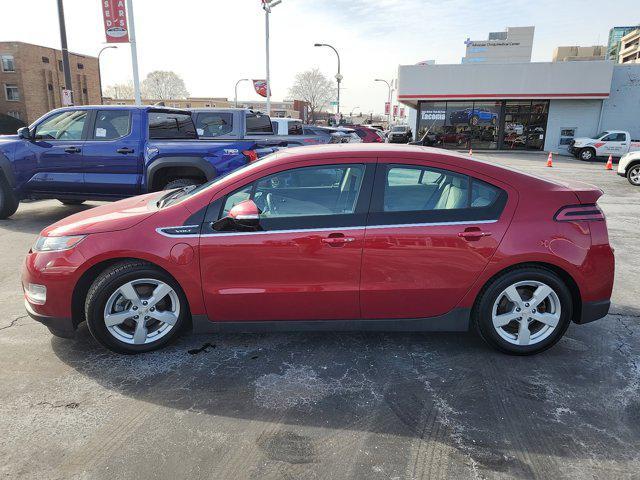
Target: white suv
{"points": [[629, 166]]}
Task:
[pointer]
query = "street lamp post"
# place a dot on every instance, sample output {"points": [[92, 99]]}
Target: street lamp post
{"points": [[388, 99], [267, 5], [338, 75], [100, 70], [134, 53], [235, 98], [352, 110]]}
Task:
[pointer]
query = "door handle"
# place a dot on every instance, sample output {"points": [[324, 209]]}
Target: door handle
{"points": [[72, 150], [473, 234], [337, 240], [125, 150]]}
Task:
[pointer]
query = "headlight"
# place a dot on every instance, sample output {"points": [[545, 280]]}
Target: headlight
{"points": [[56, 244]]}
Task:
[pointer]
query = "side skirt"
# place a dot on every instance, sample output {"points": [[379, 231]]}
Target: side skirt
{"points": [[458, 320]]}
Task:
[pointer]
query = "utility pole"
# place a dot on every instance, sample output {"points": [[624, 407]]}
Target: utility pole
{"points": [[267, 5], [134, 53], [65, 50]]}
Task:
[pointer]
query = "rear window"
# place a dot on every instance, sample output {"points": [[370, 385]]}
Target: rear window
{"points": [[258, 123], [214, 124], [295, 128], [165, 125]]}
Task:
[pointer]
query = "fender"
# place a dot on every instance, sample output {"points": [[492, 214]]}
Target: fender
{"points": [[5, 167], [156, 165]]}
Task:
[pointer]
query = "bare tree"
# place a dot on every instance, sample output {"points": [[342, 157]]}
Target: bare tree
{"points": [[119, 91], [161, 85], [315, 89]]}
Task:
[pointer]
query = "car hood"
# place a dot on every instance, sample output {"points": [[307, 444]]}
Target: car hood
{"points": [[111, 217], [584, 140]]}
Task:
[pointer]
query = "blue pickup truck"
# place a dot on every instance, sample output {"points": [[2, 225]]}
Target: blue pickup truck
{"points": [[104, 152]]}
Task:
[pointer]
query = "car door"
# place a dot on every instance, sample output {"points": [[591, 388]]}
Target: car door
{"points": [[303, 261], [616, 144], [429, 235], [112, 155], [57, 148]]}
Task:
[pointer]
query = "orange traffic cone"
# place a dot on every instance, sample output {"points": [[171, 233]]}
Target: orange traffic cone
{"points": [[609, 165], [550, 160], [471, 152]]}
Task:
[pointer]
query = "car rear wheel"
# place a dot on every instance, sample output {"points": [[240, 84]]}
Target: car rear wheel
{"points": [[524, 311], [633, 175], [8, 202], [134, 307], [587, 154]]}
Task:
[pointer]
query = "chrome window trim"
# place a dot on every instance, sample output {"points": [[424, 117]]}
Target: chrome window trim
{"points": [[307, 230]]}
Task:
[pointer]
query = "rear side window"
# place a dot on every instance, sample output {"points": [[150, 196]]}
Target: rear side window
{"points": [[483, 194], [258, 123], [211, 125], [295, 128], [111, 124], [170, 125]]}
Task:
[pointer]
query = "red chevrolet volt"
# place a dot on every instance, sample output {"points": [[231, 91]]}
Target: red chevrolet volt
{"points": [[346, 237]]}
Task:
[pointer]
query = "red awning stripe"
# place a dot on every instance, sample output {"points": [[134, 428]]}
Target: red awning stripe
{"points": [[506, 95]]}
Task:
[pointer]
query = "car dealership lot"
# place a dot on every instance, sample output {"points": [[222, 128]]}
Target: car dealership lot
{"points": [[327, 405]]}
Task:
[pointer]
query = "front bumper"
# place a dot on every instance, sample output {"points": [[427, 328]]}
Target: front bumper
{"points": [[60, 327]]}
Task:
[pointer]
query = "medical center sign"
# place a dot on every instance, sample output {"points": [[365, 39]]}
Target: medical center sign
{"points": [[114, 13]]}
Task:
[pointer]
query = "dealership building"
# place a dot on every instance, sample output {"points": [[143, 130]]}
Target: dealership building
{"points": [[520, 106]]}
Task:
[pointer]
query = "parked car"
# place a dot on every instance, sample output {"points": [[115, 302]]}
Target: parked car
{"points": [[246, 124], [610, 142], [401, 238], [351, 133], [400, 134], [473, 116], [110, 152], [325, 134], [629, 166], [366, 134]]}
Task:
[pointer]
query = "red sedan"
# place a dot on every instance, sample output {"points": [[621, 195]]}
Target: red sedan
{"points": [[346, 237]]}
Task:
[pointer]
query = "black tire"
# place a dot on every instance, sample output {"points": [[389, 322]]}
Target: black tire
{"points": [[587, 154], [483, 309], [8, 202], [633, 173], [179, 183], [112, 279], [474, 120], [71, 202]]}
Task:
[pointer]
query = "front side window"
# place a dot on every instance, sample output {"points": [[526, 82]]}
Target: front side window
{"points": [[171, 125], [111, 124], [211, 125], [258, 123], [309, 197], [63, 126], [7, 63], [12, 93], [295, 128]]}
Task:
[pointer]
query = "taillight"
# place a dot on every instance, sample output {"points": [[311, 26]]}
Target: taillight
{"points": [[251, 155], [579, 213]]}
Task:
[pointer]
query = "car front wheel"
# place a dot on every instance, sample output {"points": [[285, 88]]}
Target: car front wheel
{"points": [[633, 175], [134, 307], [586, 154], [524, 311]]}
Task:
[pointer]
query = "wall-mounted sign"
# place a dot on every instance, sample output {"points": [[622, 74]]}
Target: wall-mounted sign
{"points": [[433, 114], [114, 13]]}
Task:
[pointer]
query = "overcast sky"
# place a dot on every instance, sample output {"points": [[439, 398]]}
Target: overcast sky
{"points": [[212, 43]]}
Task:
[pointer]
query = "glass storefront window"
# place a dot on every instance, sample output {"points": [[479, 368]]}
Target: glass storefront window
{"points": [[469, 124]]}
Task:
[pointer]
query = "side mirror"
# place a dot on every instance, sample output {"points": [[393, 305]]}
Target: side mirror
{"points": [[24, 133], [245, 216]]}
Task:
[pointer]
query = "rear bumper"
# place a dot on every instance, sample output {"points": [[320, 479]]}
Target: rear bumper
{"points": [[622, 174], [60, 327], [592, 311]]}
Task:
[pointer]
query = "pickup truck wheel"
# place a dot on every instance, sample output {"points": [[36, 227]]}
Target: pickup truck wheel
{"points": [[633, 175], [8, 201], [179, 183], [71, 202], [587, 154]]}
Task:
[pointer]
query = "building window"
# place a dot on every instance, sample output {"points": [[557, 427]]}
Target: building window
{"points": [[84, 90], [8, 64], [80, 66], [50, 87], [14, 114], [45, 59], [60, 65], [11, 93]]}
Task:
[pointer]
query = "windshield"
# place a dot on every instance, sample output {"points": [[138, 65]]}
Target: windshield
{"points": [[601, 134], [398, 129]]}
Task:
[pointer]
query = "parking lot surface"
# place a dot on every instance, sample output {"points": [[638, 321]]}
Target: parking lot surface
{"points": [[327, 405]]}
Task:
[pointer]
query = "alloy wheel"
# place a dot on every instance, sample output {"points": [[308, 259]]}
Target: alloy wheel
{"points": [[634, 175], [526, 313], [142, 311]]}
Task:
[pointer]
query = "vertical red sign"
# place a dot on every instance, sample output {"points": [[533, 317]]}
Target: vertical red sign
{"points": [[395, 110], [114, 13], [402, 112], [387, 108]]}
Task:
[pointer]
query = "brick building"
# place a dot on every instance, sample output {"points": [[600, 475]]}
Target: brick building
{"points": [[32, 80]]}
